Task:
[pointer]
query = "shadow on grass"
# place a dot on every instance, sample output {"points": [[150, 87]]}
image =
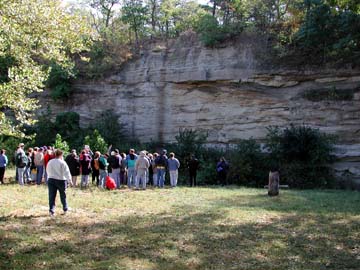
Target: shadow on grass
{"points": [[184, 238]]}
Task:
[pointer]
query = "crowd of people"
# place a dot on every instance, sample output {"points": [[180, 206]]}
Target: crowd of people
{"points": [[47, 165], [132, 170]]}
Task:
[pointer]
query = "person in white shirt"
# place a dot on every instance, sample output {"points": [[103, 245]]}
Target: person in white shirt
{"points": [[59, 175]]}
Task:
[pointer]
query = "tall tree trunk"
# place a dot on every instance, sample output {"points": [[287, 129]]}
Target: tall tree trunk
{"points": [[214, 9]]}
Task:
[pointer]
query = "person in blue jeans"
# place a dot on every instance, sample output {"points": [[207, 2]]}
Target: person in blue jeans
{"points": [[161, 165], [58, 177], [3, 164]]}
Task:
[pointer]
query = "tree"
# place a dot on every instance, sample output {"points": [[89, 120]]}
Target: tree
{"points": [[32, 34], [135, 13], [154, 13], [106, 8]]}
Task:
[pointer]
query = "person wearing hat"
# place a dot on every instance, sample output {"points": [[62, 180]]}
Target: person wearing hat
{"points": [[141, 166], [58, 177]]}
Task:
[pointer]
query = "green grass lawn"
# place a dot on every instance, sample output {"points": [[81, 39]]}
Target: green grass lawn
{"points": [[181, 228]]}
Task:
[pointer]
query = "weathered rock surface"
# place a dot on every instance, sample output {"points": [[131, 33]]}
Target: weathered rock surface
{"points": [[227, 92]]}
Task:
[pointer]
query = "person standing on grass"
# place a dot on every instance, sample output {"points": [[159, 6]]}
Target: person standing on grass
{"points": [[103, 169], [130, 165], [27, 173], [154, 169], [49, 155], [123, 173], [58, 177], [3, 164], [141, 166], [161, 165], [95, 168], [222, 168], [115, 164], [151, 171], [39, 164], [85, 165], [73, 162], [193, 166], [173, 165], [21, 161]]}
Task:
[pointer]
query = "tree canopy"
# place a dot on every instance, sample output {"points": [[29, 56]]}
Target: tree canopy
{"points": [[39, 39], [33, 34]]}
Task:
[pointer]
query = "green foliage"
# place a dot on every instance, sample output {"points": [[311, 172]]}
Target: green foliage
{"points": [[60, 144], [107, 123], [135, 14], [60, 80], [96, 142], [44, 129], [32, 34], [329, 32], [304, 155], [10, 144], [209, 30], [248, 164], [190, 141], [212, 33], [68, 125]]}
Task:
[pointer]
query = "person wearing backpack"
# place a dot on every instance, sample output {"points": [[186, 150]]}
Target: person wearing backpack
{"points": [[21, 161], [130, 165], [103, 169], [161, 165], [3, 163], [27, 173]]}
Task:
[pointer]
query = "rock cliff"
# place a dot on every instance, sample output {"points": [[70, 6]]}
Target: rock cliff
{"points": [[229, 92]]}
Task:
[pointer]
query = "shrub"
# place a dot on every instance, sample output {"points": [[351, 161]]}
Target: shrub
{"points": [[248, 164], [67, 124], [62, 145], [60, 80], [107, 123], [96, 142], [304, 155], [44, 129]]}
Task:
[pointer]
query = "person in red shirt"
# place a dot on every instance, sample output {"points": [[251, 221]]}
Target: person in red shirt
{"points": [[49, 155]]}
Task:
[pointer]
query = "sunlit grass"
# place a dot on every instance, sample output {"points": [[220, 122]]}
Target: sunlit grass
{"points": [[181, 228]]}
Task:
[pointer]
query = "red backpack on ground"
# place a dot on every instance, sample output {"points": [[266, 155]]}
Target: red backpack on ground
{"points": [[110, 183]]}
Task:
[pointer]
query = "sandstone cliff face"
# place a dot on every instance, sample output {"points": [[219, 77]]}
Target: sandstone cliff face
{"points": [[227, 92]]}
